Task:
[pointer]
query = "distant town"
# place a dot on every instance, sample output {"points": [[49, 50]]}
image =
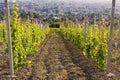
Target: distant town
{"points": [[49, 10]]}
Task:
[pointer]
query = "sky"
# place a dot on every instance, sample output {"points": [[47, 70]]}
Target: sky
{"points": [[98, 0], [75, 0], [91, 1], [88, 1], [95, 0], [8, 0]]}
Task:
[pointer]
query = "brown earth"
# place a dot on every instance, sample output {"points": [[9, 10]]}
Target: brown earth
{"points": [[57, 59]]}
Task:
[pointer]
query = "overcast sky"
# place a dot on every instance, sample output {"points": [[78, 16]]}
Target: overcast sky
{"points": [[95, 0], [91, 0], [8, 0], [73, 0]]}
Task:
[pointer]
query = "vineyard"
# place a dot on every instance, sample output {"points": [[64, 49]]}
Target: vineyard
{"points": [[71, 52], [57, 58]]}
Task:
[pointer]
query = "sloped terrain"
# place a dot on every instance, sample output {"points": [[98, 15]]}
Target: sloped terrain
{"points": [[57, 59]]}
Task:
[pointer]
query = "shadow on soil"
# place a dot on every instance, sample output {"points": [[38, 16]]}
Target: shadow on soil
{"points": [[92, 72]]}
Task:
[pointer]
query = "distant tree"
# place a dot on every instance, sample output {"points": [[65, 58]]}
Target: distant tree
{"points": [[116, 23], [36, 15], [1, 15], [31, 15], [23, 14]]}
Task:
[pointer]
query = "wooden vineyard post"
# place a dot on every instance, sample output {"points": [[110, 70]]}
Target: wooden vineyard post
{"points": [[85, 25], [9, 40], [110, 38], [85, 29], [119, 34]]}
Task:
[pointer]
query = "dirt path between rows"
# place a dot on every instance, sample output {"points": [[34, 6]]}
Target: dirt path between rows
{"points": [[59, 59]]}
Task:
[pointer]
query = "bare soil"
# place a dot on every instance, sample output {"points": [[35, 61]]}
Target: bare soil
{"points": [[57, 59]]}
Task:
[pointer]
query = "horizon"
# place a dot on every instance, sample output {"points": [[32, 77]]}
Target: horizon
{"points": [[76, 0], [83, 1]]}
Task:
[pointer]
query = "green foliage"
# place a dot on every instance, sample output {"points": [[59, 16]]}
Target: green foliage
{"points": [[1, 15], [56, 25], [26, 37], [3, 36], [96, 44], [24, 15]]}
